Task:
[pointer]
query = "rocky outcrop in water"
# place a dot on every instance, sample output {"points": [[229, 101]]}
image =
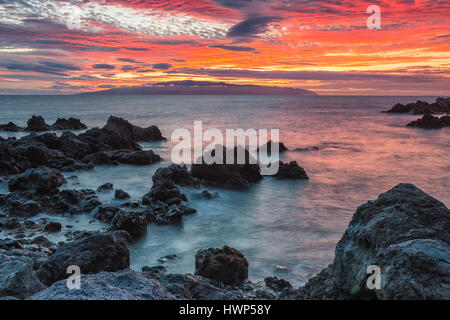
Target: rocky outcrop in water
{"points": [[272, 145], [226, 265], [122, 285], [18, 279], [94, 253], [112, 144], [219, 173], [42, 180], [37, 124], [68, 124], [291, 170], [430, 122], [441, 105], [10, 127], [405, 233]]}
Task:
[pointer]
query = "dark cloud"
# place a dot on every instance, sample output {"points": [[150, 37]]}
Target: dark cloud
{"points": [[135, 49], [251, 27], [128, 68], [127, 60], [162, 66], [178, 60], [311, 75], [235, 48], [49, 67], [103, 66]]}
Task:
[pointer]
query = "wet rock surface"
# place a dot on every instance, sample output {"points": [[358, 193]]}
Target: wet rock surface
{"points": [[291, 170], [122, 285], [441, 105], [226, 265], [93, 253], [405, 233], [217, 173], [430, 122], [112, 144]]}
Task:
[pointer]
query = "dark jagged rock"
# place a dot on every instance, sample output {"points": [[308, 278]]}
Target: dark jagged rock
{"points": [[442, 105], [10, 127], [151, 133], [205, 194], [94, 253], [107, 187], [72, 146], [190, 287], [72, 201], [122, 156], [37, 124], [405, 233], [132, 222], [53, 227], [121, 195], [42, 180], [228, 175], [122, 285], [277, 284], [113, 144], [178, 174], [106, 213], [291, 170], [17, 277], [226, 265], [68, 124], [272, 145], [430, 122]]}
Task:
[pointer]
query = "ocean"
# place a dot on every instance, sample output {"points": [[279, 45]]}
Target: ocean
{"points": [[295, 224]]}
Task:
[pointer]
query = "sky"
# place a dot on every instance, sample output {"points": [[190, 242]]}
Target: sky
{"points": [[71, 46]]}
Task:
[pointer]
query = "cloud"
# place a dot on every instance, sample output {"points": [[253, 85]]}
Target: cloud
{"points": [[235, 48], [310, 75], [251, 27], [91, 16], [104, 66], [162, 66], [49, 67], [127, 60]]}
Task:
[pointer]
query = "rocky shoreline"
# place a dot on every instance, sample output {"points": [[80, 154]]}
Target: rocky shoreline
{"points": [[428, 121], [404, 231]]}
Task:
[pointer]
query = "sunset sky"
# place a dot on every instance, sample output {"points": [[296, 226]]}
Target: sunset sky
{"points": [[62, 46]]}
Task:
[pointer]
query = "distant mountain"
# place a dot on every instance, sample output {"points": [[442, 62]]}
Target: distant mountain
{"points": [[190, 87]]}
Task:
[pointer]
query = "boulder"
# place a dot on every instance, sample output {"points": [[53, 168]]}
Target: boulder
{"points": [[17, 278], [10, 127], [73, 146], [93, 253], [42, 180], [151, 133], [52, 227], [226, 265], [68, 124], [430, 122], [291, 170], [119, 194], [106, 213], [107, 187], [132, 222], [37, 124], [178, 174], [227, 175], [122, 285], [277, 284], [404, 233], [190, 287]]}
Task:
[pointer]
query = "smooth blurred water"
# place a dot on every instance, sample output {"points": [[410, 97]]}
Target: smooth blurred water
{"points": [[292, 223]]}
